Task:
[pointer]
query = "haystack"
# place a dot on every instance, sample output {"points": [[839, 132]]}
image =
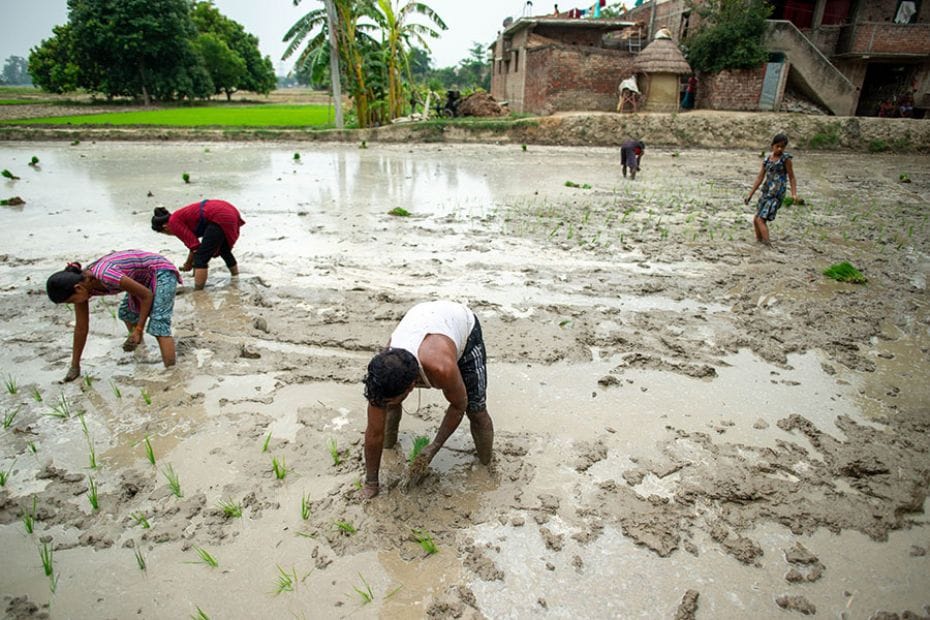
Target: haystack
{"points": [[662, 63]]}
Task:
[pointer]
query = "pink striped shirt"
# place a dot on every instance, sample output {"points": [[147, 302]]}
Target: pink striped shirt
{"points": [[135, 264]]}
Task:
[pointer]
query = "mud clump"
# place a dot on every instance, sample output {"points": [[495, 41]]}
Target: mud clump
{"points": [[480, 104], [687, 609], [796, 603]]}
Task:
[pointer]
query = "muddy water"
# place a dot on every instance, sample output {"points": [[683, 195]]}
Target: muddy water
{"points": [[675, 407]]}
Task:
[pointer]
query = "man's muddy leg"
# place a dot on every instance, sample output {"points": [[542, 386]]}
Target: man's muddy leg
{"points": [[391, 424], [482, 431]]}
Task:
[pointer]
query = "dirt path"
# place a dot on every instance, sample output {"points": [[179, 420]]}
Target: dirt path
{"points": [[686, 422]]}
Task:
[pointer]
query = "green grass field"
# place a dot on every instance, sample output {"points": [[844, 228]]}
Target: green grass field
{"points": [[212, 116]]}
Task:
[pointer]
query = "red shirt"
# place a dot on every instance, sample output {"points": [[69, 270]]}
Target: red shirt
{"points": [[185, 221]]}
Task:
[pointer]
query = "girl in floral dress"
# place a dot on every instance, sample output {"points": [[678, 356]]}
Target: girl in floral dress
{"points": [[776, 173]]}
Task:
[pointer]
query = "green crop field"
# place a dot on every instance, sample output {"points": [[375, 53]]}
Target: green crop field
{"points": [[206, 116]]}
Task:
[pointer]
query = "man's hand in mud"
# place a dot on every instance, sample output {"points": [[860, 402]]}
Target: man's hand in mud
{"points": [[186, 267], [416, 471], [369, 490], [132, 341], [73, 373]]}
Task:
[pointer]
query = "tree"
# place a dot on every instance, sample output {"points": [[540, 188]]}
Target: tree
{"points": [[476, 70], [15, 71], [51, 65], [730, 35], [226, 68]]}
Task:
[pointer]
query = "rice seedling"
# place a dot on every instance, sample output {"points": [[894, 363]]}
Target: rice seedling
{"points": [[363, 145], [10, 384], [32, 447], [116, 391], [88, 382], [267, 441], [345, 527], [149, 451], [523, 148], [205, 558], [62, 408], [399, 212], [9, 175], [334, 451], [140, 560], [36, 394], [141, 519], [426, 541], [34, 161], [305, 507], [5, 475], [75, 142], [357, 484], [46, 554], [185, 177], [29, 517], [200, 615], [146, 396], [365, 594], [845, 272], [92, 493], [174, 483], [92, 453], [231, 509], [296, 156], [9, 416], [904, 177], [419, 442], [279, 468], [286, 581]]}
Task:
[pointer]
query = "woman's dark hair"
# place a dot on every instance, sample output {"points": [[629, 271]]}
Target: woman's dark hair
{"points": [[780, 138], [390, 373], [160, 218], [60, 285]]}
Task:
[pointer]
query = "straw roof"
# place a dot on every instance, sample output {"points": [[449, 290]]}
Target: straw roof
{"points": [[662, 56]]}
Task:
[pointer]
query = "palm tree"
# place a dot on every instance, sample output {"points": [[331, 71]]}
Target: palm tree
{"points": [[397, 32]]}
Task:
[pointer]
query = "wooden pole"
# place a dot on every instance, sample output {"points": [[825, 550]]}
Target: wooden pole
{"points": [[334, 61]]}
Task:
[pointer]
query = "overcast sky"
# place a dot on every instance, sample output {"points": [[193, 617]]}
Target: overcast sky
{"points": [[25, 23]]}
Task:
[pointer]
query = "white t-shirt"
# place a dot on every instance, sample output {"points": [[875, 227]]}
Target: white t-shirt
{"points": [[451, 319]]}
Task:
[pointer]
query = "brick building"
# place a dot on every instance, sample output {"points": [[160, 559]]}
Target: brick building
{"points": [[847, 55], [548, 64]]}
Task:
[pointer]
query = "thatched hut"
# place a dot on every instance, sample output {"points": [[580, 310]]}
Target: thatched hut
{"points": [[662, 63]]}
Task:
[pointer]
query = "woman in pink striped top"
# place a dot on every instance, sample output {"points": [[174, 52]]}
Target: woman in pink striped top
{"points": [[208, 228], [149, 281]]}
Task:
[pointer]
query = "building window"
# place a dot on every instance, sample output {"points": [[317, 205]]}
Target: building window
{"points": [[516, 61]]}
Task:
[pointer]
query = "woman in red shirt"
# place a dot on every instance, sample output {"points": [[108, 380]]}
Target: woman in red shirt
{"points": [[208, 228]]}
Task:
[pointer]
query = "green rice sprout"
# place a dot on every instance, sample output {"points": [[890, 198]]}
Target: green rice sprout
{"points": [[185, 177], [83, 425], [34, 161], [286, 581], [10, 384], [232, 510], [334, 451], [5, 475], [32, 447], [399, 212], [116, 390], [149, 451], [92, 456], [267, 441], [92, 494], [141, 519], [426, 541], [8, 175], [9, 416], [363, 145], [358, 484], [305, 507], [36, 394], [296, 156], [365, 594], [146, 396], [140, 560], [75, 142], [345, 527], [29, 517], [89, 382], [845, 272], [62, 408], [174, 483], [205, 558], [419, 443], [523, 147], [904, 177], [200, 615], [279, 468], [46, 554]]}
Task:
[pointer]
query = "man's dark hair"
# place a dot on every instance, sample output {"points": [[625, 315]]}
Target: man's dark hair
{"points": [[390, 373]]}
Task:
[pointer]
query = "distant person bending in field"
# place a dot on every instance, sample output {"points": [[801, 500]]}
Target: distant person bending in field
{"points": [[437, 344], [776, 173], [631, 154], [208, 228], [149, 281]]}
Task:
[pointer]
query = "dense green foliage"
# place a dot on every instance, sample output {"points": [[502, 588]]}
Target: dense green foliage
{"points": [[203, 116], [730, 35], [150, 49]]}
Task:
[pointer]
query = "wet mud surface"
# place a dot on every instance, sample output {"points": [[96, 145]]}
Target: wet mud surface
{"points": [[687, 424]]}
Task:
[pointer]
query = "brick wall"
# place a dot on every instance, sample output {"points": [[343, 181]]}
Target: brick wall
{"points": [[885, 38], [734, 89], [562, 78], [885, 11]]}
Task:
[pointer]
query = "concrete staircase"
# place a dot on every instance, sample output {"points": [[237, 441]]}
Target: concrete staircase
{"points": [[810, 69]]}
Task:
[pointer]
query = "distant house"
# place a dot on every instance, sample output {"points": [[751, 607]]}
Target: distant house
{"points": [[850, 56], [542, 65]]}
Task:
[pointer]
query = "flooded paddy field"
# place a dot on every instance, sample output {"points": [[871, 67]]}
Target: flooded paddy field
{"points": [[688, 424]]}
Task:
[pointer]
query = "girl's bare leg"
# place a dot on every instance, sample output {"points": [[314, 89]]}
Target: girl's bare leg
{"points": [[166, 345], [763, 232], [200, 278]]}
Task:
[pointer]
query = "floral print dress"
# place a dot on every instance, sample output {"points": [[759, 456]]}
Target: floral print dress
{"points": [[773, 187]]}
